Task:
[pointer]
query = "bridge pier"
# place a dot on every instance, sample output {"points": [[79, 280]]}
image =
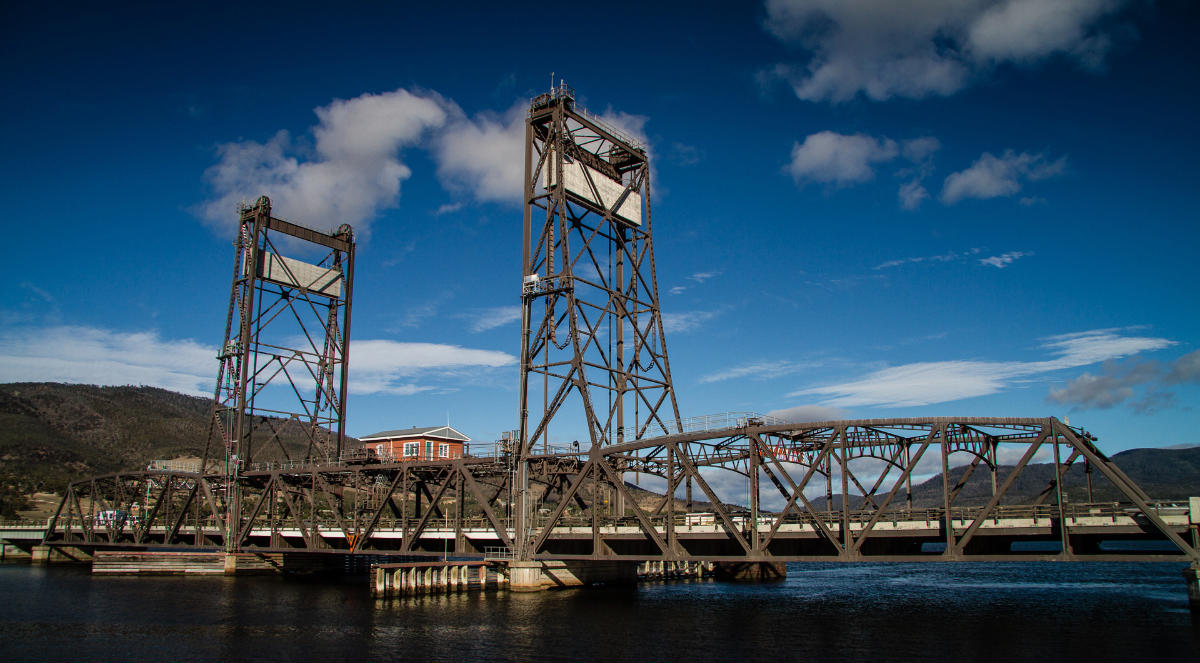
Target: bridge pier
{"points": [[1192, 575], [43, 554], [525, 576], [751, 571]]}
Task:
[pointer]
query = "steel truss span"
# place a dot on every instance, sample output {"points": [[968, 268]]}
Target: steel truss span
{"points": [[825, 491]]}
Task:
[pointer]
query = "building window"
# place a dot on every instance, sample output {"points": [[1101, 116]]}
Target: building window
{"points": [[429, 449], [411, 449], [444, 450]]}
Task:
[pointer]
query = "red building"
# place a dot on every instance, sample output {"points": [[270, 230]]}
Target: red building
{"points": [[431, 443]]}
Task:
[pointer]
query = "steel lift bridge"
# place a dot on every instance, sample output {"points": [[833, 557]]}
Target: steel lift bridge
{"points": [[734, 489]]}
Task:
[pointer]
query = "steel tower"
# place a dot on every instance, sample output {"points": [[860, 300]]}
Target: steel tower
{"points": [[283, 369], [593, 352]]}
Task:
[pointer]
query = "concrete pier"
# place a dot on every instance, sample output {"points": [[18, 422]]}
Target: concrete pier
{"points": [[443, 577], [43, 554], [751, 571], [525, 576], [1192, 575]]}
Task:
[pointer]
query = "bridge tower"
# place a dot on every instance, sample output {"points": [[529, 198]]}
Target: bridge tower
{"points": [[283, 365], [593, 351]]}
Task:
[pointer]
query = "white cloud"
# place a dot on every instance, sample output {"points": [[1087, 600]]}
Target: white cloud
{"points": [[1005, 259], [912, 194], [883, 49], [1029, 30], [764, 370], [490, 318], [992, 177], [447, 208], [686, 321], [952, 256], [698, 278], [805, 413], [381, 366], [88, 355], [924, 383], [353, 171], [839, 159], [484, 155]]}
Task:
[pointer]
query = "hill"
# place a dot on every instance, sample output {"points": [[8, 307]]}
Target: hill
{"points": [[52, 434], [1164, 474]]}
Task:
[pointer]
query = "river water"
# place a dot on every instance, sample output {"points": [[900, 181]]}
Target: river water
{"points": [[933, 611]]}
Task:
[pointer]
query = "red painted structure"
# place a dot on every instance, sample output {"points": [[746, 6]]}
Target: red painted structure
{"points": [[429, 443]]}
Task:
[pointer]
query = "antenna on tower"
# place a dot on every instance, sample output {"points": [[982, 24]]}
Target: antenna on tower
{"points": [[552, 82]]}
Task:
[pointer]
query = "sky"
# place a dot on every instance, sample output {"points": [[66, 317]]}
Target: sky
{"points": [[861, 209]]}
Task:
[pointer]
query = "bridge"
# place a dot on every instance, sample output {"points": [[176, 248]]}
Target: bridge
{"points": [[737, 489]]}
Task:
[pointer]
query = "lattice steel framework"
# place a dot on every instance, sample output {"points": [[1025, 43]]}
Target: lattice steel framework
{"points": [[287, 342], [592, 330]]}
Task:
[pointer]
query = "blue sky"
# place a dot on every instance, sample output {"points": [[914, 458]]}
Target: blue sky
{"points": [[860, 210]]}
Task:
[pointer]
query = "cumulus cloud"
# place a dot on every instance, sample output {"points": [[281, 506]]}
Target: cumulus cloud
{"points": [[484, 155], [89, 355], [1005, 259], [1116, 383], [382, 366], [992, 177], [351, 173], [1029, 30], [839, 159], [1185, 369], [882, 49], [924, 383], [912, 194]]}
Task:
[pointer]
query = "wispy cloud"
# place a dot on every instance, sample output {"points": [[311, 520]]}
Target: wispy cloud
{"points": [[952, 256], [763, 370], [686, 321], [447, 208], [90, 355], [489, 318], [1005, 259], [924, 383], [382, 366], [696, 278]]}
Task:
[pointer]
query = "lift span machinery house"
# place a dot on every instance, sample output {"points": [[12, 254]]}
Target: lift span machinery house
{"points": [[430, 443]]}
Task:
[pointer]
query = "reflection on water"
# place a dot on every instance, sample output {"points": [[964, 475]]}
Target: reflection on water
{"points": [[1015, 611]]}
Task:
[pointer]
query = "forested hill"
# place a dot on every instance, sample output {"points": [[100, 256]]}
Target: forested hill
{"points": [[52, 434]]}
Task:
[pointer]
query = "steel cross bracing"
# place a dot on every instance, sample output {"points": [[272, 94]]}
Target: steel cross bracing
{"points": [[282, 376], [593, 351], [592, 328], [592, 333], [842, 491]]}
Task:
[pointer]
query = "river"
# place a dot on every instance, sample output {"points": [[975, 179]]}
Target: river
{"points": [[934, 611]]}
